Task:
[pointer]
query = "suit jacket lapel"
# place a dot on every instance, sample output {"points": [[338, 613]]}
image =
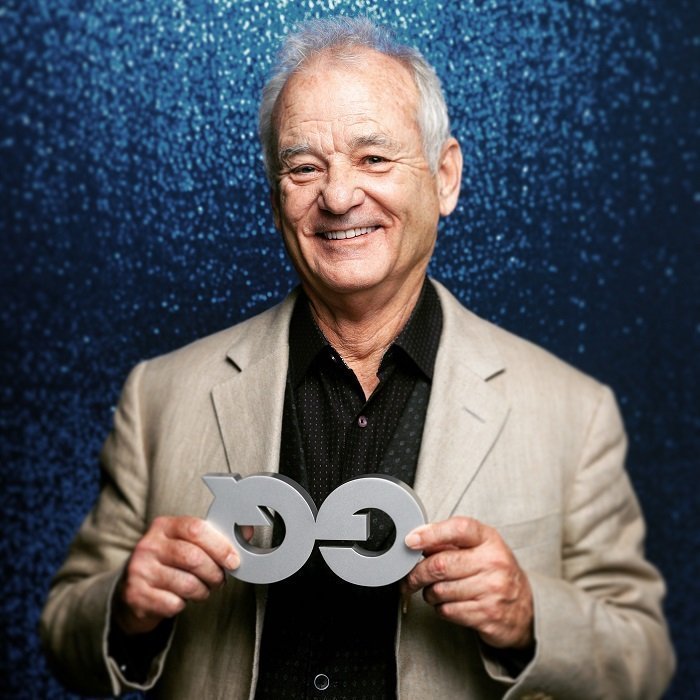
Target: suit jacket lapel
{"points": [[249, 406], [465, 414]]}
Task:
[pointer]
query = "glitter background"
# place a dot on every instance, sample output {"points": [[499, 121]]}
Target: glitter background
{"points": [[135, 218]]}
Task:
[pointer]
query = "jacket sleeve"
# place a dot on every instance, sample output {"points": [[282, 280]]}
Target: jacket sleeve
{"points": [[75, 621], [599, 628]]}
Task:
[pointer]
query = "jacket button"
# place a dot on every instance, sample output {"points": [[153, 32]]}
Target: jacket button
{"points": [[321, 682]]}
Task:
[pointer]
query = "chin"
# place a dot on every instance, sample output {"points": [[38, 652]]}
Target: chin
{"points": [[344, 289], [356, 280]]}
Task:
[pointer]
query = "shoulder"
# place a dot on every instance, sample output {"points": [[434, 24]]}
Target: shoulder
{"points": [[518, 366], [213, 359]]}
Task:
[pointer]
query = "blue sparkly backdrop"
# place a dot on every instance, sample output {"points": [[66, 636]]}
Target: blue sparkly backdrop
{"points": [[135, 218]]}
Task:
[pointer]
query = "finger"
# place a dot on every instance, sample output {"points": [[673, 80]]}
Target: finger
{"points": [[247, 531], [445, 565], [181, 583], [457, 531], [139, 607], [460, 590], [468, 613], [499, 627], [173, 565], [205, 536], [164, 604], [191, 558]]}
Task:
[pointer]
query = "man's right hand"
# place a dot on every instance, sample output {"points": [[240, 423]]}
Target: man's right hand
{"points": [[178, 559]]}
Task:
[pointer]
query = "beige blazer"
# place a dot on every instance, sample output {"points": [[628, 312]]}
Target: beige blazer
{"points": [[513, 437]]}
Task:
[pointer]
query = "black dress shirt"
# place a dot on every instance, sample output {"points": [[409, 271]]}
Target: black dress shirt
{"points": [[323, 637]]}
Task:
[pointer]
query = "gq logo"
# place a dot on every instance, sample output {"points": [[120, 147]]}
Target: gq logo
{"points": [[243, 501]]}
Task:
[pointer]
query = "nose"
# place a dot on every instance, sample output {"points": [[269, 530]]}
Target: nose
{"points": [[340, 190]]}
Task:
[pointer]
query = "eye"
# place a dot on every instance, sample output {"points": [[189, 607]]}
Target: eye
{"points": [[374, 160], [306, 172]]}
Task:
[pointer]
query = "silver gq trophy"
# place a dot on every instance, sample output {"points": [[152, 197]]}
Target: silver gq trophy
{"points": [[245, 501]]}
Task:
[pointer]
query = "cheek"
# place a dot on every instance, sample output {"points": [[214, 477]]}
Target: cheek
{"points": [[389, 191], [400, 193], [295, 198]]}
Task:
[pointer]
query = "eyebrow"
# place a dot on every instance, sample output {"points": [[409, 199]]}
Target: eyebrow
{"points": [[287, 153], [374, 139]]}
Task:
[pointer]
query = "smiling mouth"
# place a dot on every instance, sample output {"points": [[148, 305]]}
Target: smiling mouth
{"points": [[347, 233]]}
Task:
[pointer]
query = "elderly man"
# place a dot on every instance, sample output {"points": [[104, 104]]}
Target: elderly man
{"points": [[533, 582]]}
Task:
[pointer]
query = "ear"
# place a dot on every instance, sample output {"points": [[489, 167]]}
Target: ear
{"points": [[449, 176]]}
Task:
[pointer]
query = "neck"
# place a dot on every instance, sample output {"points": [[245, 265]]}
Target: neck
{"points": [[362, 326]]}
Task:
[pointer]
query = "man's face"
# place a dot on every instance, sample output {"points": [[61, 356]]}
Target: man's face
{"points": [[356, 202]]}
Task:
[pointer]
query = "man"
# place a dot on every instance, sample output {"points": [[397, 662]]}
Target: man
{"points": [[533, 582]]}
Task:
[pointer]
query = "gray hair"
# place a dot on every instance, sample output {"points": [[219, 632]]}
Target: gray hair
{"points": [[341, 35]]}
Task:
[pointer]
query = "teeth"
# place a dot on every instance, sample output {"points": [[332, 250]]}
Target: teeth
{"points": [[350, 233]]}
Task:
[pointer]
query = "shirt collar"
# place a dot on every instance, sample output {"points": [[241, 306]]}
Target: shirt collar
{"points": [[306, 341], [419, 339]]}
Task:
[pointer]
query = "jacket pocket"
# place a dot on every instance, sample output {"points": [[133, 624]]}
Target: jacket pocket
{"points": [[536, 543]]}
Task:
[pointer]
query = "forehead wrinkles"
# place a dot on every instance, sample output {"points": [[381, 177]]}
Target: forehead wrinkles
{"points": [[330, 135], [383, 80]]}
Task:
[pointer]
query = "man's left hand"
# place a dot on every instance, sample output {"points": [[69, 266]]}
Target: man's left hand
{"points": [[472, 578]]}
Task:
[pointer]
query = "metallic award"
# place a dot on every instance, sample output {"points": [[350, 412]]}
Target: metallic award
{"points": [[247, 501]]}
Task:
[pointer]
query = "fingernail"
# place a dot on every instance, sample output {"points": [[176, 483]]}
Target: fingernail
{"points": [[412, 540], [232, 561], [405, 600]]}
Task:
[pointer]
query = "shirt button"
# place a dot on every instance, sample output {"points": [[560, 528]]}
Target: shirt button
{"points": [[362, 421], [321, 682]]}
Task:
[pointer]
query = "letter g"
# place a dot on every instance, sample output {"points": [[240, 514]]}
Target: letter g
{"points": [[240, 501]]}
